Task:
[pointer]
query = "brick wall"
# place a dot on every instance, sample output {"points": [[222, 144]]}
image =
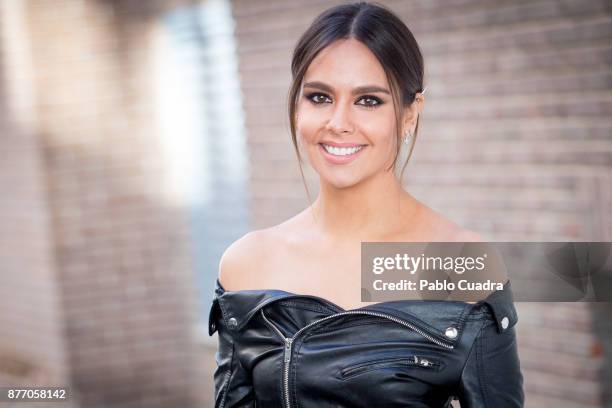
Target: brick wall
{"points": [[32, 343], [117, 245], [514, 142]]}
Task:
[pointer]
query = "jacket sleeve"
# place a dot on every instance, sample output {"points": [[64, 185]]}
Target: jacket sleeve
{"points": [[492, 376], [233, 386]]}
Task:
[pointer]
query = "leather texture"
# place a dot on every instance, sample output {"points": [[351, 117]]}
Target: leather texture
{"points": [[281, 349]]}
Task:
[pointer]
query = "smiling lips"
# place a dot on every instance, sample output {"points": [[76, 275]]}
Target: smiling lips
{"points": [[341, 153]]}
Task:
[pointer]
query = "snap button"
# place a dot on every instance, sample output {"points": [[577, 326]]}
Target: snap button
{"points": [[505, 322], [451, 332], [232, 322]]}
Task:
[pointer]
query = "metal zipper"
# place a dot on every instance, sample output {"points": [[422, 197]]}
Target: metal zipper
{"points": [[286, 356], [417, 329], [413, 361], [289, 340]]}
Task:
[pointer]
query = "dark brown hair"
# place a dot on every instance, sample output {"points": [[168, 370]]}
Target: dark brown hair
{"points": [[388, 39]]}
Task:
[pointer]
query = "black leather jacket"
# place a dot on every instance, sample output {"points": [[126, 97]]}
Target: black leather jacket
{"points": [[280, 349]]}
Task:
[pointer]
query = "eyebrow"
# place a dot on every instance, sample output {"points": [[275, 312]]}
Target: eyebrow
{"points": [[356, 91]]}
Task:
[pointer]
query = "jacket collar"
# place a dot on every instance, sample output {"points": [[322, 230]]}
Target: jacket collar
{"points": [[238, 307], [241, 305]]}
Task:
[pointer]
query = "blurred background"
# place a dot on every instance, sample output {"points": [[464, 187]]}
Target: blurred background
{"points": [[138, 139]]}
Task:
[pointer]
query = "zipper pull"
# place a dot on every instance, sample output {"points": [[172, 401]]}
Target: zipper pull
{"points": [[425, 363], [288, 349]]}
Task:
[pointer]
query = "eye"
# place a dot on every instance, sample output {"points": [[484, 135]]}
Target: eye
{"points": [[317, 98], [372, 101]]}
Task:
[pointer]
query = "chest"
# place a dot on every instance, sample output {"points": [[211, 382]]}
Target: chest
{"points": [[331, 273]]}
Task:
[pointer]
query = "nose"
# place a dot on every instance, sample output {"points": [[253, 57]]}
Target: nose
{"points": [[340, 120]]}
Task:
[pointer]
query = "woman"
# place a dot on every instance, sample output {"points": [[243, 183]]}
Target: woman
{"points": [[293, 331]]}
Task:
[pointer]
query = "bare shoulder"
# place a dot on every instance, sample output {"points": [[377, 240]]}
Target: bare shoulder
{"points": [[236, 266], [441, 228], [251, 261]]}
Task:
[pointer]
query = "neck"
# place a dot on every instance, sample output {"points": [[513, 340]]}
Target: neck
{"points": [[370, 210]]}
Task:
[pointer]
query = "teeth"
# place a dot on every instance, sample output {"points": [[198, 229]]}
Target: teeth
{"points": [[341, 151]]}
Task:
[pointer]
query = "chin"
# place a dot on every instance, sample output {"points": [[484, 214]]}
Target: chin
{"points": [[341, 182]]}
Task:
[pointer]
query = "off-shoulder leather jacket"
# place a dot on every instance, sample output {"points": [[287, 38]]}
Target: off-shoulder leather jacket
{"points": [[281, 349]]}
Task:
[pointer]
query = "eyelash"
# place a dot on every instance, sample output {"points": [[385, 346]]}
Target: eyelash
{"points": [[371, 106]]}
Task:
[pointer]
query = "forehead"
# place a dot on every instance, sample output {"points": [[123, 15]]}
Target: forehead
{"points": [[346, 63]]}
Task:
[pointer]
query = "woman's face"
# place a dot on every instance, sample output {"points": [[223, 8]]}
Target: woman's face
{"points": [[345, 114]]}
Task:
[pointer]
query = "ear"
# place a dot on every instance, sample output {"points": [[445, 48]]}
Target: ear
{"points": [[412, 112]]}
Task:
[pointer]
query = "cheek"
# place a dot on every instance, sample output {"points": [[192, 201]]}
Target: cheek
{"points": [[308, 123], [380, 128]]}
